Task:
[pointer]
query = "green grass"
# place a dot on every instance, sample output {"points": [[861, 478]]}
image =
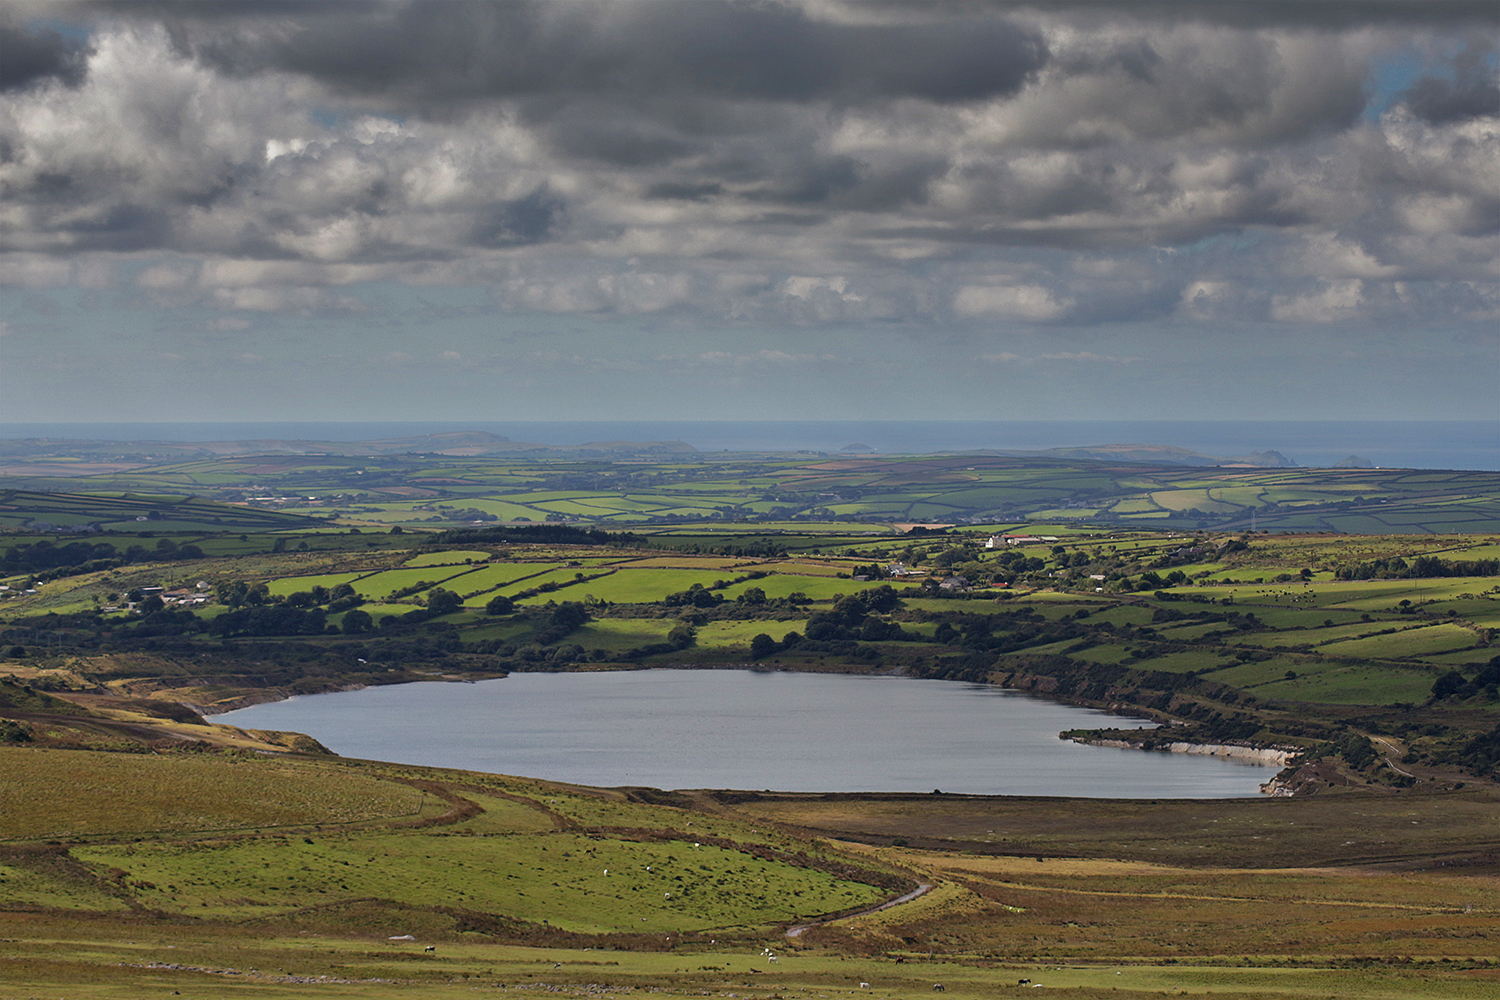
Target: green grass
{"points": [[26, 888], [71, 793], [737, 635], [293, 584], [620, 634], [1180, 662], [557, 877], [817, 588], [495, 577], [1315, 636], [643, 586], [382, 584], [1349, 684], [447, 557], [1482, 654], [1408, 643]]}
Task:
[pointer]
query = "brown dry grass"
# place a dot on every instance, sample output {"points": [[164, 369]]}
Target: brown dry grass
{"points": [[1391, 829]]}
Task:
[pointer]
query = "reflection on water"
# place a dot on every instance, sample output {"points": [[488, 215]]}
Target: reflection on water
{"points": [[750, 730]]}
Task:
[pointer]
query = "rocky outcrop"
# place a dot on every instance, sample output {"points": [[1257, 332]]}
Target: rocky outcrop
{"points": [[1279, 756]]}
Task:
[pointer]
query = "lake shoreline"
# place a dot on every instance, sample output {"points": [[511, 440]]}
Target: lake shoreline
{"points": [[1278, 756], [657, 727]]}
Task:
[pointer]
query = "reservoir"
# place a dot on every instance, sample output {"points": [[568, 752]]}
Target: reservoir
{"points": [[754, 730]]}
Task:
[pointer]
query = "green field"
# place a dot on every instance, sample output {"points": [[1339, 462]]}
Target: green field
{"points": [[433, 492]]}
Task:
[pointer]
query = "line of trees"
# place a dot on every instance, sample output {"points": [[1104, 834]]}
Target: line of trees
{"points": [[49, 561], [1420, 568]]}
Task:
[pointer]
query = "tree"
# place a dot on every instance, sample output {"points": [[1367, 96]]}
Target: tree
{"points": [[499, 605], [443, 602], [358, 622], [1449, 683], [762, 646]]}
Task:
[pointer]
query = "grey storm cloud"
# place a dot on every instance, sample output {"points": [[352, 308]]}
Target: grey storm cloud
{"points": [[29, 57], [1329, 15], [1045, 163], [458, 50]]}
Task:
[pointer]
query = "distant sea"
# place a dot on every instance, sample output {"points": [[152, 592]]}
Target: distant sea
{"points": [[1426, 444]]}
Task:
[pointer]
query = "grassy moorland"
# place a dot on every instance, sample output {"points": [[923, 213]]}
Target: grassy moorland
{"points": [[145, 850], [306, 876]]}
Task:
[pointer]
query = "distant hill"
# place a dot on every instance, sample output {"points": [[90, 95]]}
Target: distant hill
{"points": [[458, 444], [1168, 454]]}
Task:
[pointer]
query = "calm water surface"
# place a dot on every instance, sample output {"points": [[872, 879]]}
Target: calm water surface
{"points": [[750, 730]]}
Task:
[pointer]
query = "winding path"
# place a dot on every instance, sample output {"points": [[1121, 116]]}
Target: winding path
{"points": [[921, 890], [1390, 763]]}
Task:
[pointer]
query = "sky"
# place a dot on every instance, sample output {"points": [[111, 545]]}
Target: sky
{"points": [[610, 209]]}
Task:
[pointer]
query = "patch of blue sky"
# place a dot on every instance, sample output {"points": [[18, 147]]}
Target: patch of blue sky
{"points": [[1396, 73], [77, 31], [1390, 77]]}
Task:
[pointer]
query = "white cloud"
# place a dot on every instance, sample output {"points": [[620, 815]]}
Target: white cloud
{"points": [[1026, 302], [1331, 302], [283, 299], [228, 324], [1088, 357], [1083, 357], [34, 271], [166, 276], [769, 356]]}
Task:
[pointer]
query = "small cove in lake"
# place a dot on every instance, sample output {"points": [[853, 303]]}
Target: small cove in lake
{"points": [[749, 729]]}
